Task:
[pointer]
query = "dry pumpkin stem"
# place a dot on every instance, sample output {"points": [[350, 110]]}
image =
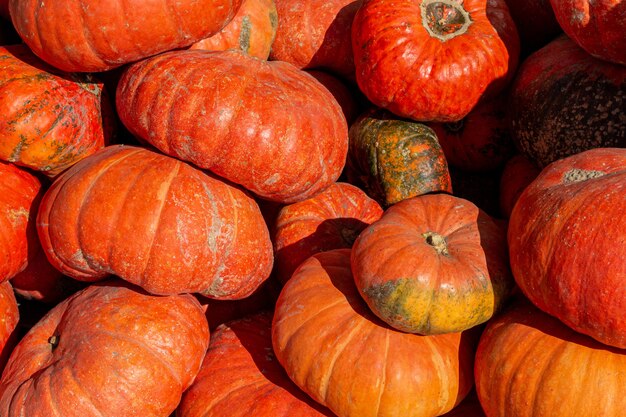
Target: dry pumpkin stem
{"points": [[437, 241], [444, 19], [54, 341], [577, 175]]}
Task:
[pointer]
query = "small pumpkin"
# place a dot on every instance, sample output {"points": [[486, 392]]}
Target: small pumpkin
{"points": [[10, 316], [240, 377], [393, 159], [433, 264], [109, 349], [518, 172], [156, 222]]}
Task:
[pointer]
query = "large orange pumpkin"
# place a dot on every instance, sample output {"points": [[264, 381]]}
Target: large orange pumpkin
{"points": [[156, 222], [9, 317]]}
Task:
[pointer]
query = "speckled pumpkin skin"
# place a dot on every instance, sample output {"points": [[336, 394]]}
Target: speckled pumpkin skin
{"points": [[564, 101], [393, 159]]}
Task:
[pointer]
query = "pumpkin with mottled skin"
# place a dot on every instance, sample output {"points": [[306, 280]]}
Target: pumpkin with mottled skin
{"points": [[529, 364], [49, 120], [156, 222], [252, 30], [567, 239], [433, 60], [393, 159], [240, 377], [337, 351], [107, 350], [433, 264], [265, 125], [88, 36], [517, 174], [331, 220], [9, 317], [564, 101]]}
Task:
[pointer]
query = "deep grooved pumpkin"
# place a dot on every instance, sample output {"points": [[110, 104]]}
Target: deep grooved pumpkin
{"points": [[9, 317], [394, 159], [49, 120], [252, 30], [564, 101], [331, 220], [316, 34], [156, 222], [19, 191], [343, 356], [265, 125], [108, 350], [433, 60], [240, 377], [598, 26], [433, 264], [567, 240], [518, 172], [88, 36], [529, 364]]}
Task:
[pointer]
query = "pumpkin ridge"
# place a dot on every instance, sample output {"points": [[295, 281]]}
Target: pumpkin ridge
{"points": [[558, 349], [87, 35], [383, 381], [440, 368], [86, 394]]}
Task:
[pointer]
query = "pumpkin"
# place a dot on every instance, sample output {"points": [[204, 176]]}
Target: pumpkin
{"points": [[107, 350], [87, 36], [252, 30], [599, 27], [480, 141], [19, 198], [350, 99], [316, 34], [394, 159], [343, 356], [240, 377], [518, 172], [433, 264], [535, 22], [564, 101], [4, 10], [331, 220], [9, 317], [567, 239], [50, 120], [530, 364], [433, 60], [265, 125], [156, 222]]}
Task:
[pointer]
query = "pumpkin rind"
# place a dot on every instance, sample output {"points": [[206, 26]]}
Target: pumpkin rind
{"points": [[517, 174], [433, 264], [156, 222], [567, 239], [107, 350], [9, 317], [338, 352], [265, 125]]}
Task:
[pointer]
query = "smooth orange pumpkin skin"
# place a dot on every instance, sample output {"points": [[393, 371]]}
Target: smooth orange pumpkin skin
{"points": [[240, 377], [337, 351], [9, 317], [156, 222], [567, 239], [87, 36], [529, 364], [267, 126], [49, 119], [109, 349], [331, 220], [420, 285]]}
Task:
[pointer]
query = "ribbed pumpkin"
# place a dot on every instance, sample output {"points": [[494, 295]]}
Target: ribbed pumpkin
{"points": [[567, 240], [337, 351], [433, 60], [49, 120], [19, 191], [316, 34], [529, 364], [252, 30], [9, 317], [518, 172], [156, 222], [433, 264], [108, 350], [88, 36], [599, 27], [331, 220], [564, 101], [393, 159], [240, 377], [265, 125]]}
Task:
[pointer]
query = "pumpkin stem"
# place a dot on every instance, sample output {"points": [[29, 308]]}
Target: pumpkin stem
{"points": [[444, 19], [577, 175], [436, 241], [54, 341]]}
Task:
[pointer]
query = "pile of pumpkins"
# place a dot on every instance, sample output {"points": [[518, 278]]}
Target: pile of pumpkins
{"points": [[352, 208]]}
